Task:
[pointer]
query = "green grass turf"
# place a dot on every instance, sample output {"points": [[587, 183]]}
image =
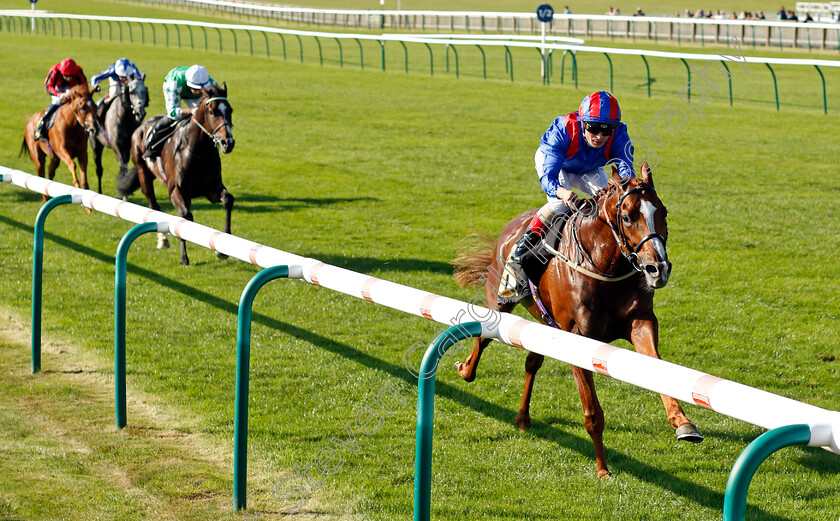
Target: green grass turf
{"points": [[384, 173]]}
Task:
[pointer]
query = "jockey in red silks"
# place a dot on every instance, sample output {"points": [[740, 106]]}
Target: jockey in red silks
{"points": [[61, 78], [571, 156]]}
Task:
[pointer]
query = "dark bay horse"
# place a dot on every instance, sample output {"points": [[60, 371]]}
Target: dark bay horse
{"points": [[622, 240], [67, 141], [119, 119], [189, 163]]}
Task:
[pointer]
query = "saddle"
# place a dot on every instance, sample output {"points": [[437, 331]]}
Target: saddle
{"points": [[535, 262], [45, 125], [158, 133]]}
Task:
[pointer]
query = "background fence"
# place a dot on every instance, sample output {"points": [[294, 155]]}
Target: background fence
{"points": [[185, 33], [680, 30]]}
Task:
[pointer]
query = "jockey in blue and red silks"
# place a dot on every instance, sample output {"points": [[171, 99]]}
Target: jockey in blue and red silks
{"points": [[572, 155]]}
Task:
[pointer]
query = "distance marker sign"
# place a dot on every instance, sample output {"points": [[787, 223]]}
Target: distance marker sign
{"points": [[545, 13]]}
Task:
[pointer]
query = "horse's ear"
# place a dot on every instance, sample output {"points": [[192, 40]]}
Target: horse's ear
{"points": [[143, 77], [224, 87], [613, 177], [647, 174]]}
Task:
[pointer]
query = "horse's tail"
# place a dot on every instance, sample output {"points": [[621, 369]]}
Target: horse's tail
{"points": [[473, 263], [128, 181], [23, 147]]}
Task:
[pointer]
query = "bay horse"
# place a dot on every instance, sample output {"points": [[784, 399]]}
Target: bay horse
{"points": [[189, 163], [67, 140], [119, 119], [620, 246]]}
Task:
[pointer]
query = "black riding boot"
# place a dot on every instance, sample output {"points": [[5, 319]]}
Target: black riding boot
{"points": [[525, 244], [39, 130], [513, 278]]}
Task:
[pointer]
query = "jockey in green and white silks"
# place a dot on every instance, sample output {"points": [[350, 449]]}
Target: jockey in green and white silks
{"points": [[184, 84], [180, 84]]}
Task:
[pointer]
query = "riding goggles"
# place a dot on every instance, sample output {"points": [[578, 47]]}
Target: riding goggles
{"points": [[599, 128]]}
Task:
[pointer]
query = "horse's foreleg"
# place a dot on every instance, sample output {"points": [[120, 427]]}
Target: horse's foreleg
{"points": [[97, 148], [183, 206], [83, 164], [227, 204], [533, 362], [644, 336], [593, 416]]}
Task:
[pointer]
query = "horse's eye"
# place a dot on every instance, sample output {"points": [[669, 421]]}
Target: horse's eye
{"points": [[625, 219]]}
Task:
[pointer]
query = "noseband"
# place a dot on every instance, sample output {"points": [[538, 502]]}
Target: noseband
{"points": [[621, 237], [79, 119]]}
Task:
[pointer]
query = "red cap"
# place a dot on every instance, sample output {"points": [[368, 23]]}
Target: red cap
{"points": [[68, 67]]}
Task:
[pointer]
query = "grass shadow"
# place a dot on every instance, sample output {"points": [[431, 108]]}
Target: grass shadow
{"points": [[372, 264]]}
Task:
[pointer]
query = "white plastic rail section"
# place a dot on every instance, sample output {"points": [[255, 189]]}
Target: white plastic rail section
{"points": [[430, 40], [726, 397], [501, 14]]}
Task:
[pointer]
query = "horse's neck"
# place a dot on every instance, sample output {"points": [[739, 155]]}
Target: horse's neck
{"points": [[193, 131], [66, 116], [596, 239]]}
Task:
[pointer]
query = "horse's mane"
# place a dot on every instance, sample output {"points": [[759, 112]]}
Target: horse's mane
{"points": [[212, 91], [79, 91]]}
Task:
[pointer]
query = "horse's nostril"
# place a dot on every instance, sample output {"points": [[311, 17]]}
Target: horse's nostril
{"points": [[652, 269]]}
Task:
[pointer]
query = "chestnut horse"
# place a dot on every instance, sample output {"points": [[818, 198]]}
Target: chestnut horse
{"points": [[620, 246], [67, 140], [189, 163]]}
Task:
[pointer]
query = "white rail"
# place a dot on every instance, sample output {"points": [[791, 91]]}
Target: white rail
{"points": [[761, 32], [732, 399]]}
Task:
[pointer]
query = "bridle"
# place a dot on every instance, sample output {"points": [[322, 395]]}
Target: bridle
{"points": [[125, 98], [621, 237], [78, 116], [224, 123]]}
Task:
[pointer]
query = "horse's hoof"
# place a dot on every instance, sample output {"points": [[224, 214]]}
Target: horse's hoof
{"points": [[604, 474], [689, 432], [458, 370], [162, 242], [524, 422]]}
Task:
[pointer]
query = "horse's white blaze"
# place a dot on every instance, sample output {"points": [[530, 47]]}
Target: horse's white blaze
{"points": [[648, 210]]}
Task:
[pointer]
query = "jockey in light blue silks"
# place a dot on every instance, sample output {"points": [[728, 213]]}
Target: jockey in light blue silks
{"points": [[571, 156], [118, 73]]}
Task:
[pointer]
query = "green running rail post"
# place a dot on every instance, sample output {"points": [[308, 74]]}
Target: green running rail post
{"points": [[243, 367], [426, 412], [119, 312], [38, 272], [735, 501]]}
